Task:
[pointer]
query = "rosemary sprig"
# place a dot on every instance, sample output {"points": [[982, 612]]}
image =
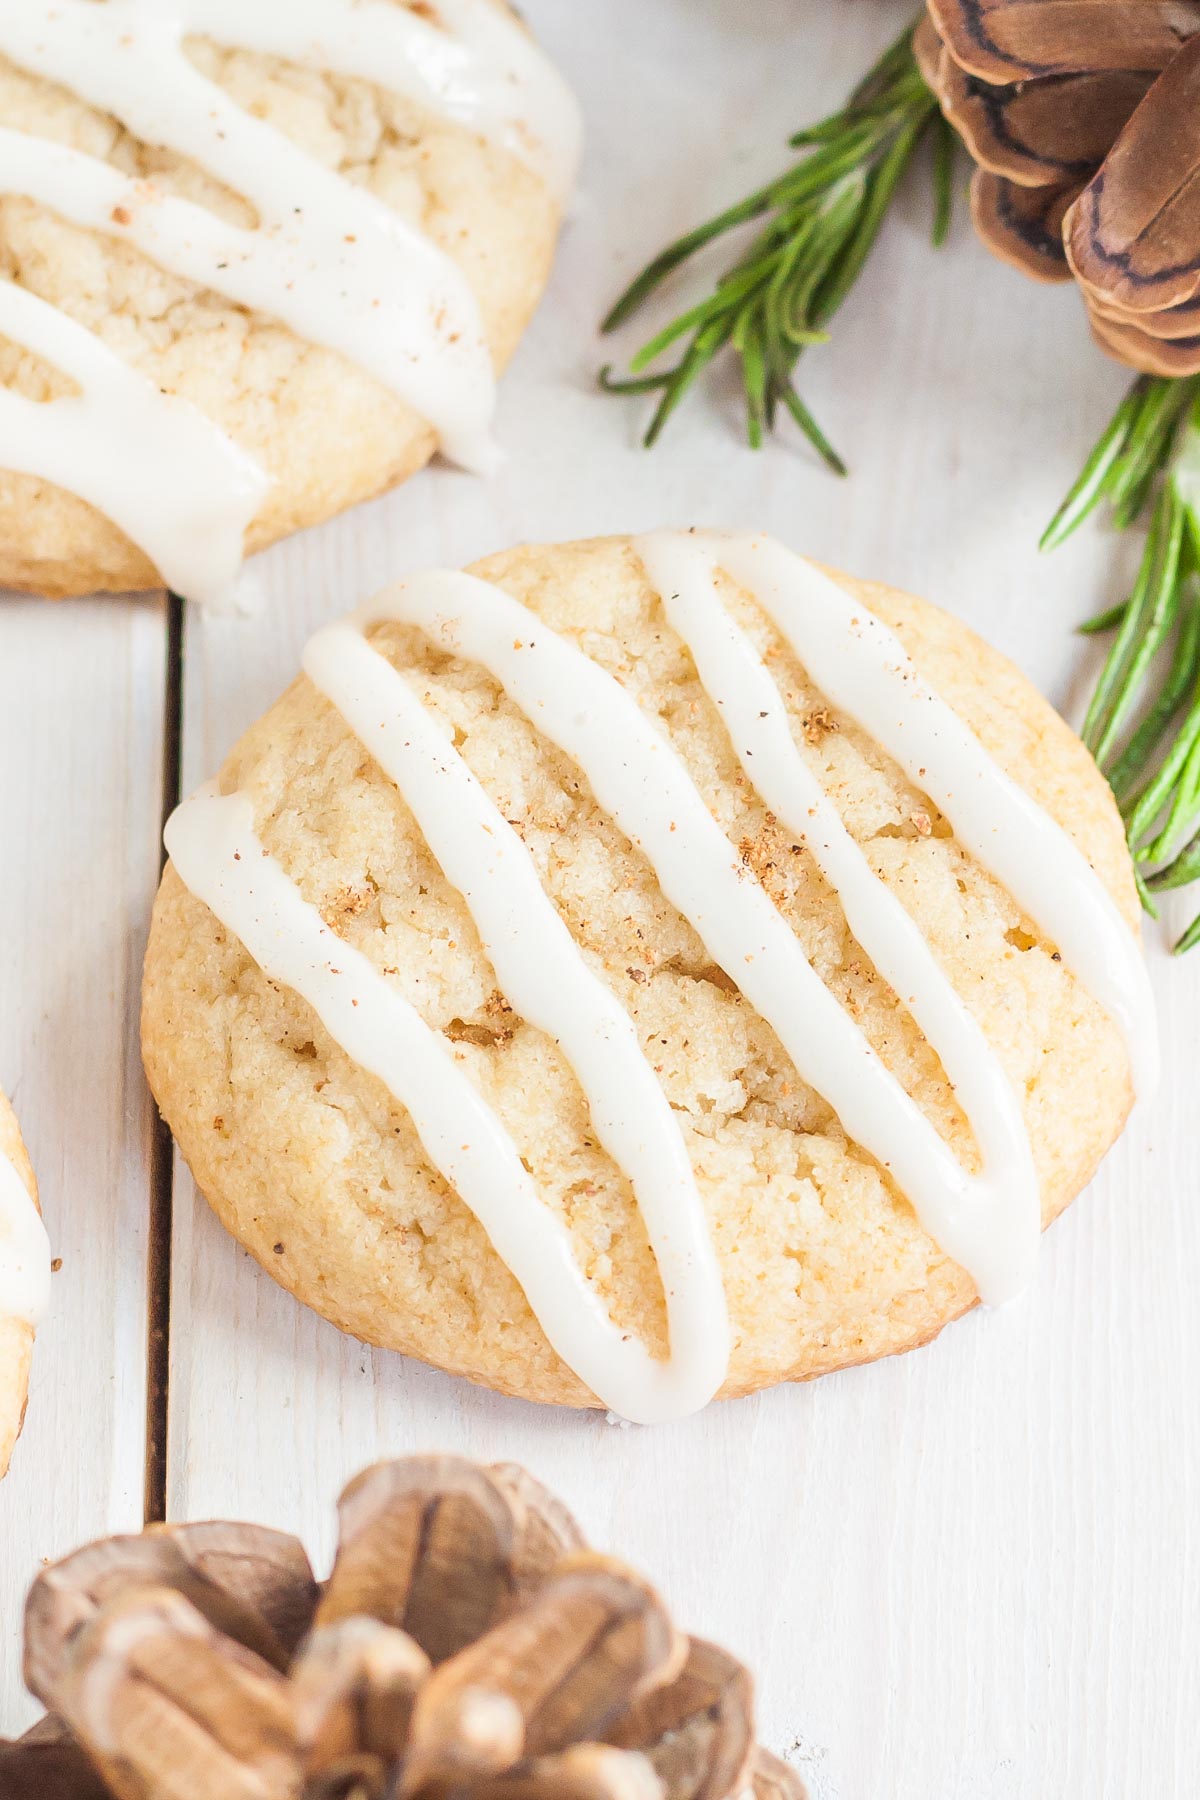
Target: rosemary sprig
{"points": [[778, 298], [1147, 462]]}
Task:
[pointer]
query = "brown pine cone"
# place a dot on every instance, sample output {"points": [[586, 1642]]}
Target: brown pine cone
{"points": [[1084, 119], [466, 1644]]}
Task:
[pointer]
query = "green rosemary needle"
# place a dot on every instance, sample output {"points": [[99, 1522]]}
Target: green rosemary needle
{"points": [[1147, 463], [824, 216]]}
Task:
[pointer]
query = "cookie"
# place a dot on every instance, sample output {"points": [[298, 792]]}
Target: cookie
{"points": [[257, 263], [644, 969], [24, 1278]]}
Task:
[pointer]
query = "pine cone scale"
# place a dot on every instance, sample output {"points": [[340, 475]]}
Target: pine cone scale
{"points": [[1023, 226], [168, 1706], [695, 1730], [1170, 357], [254, 1585], [1171, 322], [584, 1772], [262, 1579], [353, 1691], [46, 1763], [444, 1546], [1134, 236], [1011, 40], [1039, 133], [569, 1661]]}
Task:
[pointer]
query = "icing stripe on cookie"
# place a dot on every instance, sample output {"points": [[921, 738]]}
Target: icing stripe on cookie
{"points": [[24, 1251], [214, 848], [162, 471], [327, 258]]}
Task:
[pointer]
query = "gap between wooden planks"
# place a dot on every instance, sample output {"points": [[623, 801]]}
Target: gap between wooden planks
{"points": [[158, 1261]]}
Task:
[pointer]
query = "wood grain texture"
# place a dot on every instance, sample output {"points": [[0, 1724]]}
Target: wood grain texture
{"points": [[81, 736], [971, 1574]]}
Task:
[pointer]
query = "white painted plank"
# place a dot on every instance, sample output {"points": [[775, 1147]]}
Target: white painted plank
{"points": [[962, 1575], [81, 714]]}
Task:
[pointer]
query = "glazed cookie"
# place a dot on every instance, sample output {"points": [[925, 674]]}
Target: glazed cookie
{"points": [[620, 974], [258, 261], [24, 1278]]}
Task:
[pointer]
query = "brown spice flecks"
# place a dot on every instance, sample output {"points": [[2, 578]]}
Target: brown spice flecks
{"points": [[819, 724], [758, 857], [347, 903]]}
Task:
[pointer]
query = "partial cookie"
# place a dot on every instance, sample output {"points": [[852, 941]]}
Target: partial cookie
{"points": [[260, 262], [24, 1278], [626, 949]]}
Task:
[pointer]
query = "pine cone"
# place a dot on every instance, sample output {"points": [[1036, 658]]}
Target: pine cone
{"points": [[1084, 119], [466, 1644]]}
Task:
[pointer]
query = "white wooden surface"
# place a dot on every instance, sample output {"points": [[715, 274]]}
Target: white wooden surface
{"points": [[81, 738], [971, 1574]]}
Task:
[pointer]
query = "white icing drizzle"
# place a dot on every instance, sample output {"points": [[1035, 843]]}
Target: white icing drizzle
{"points": [[214, 848], [174, 483], [988, 1221], [865, 671], [327, 258], [24, 1251]]}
